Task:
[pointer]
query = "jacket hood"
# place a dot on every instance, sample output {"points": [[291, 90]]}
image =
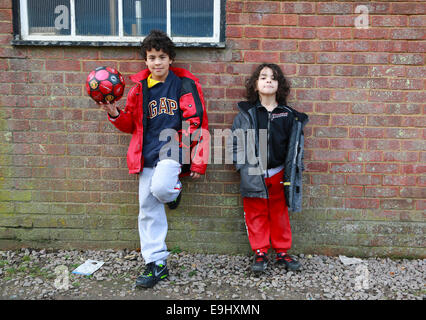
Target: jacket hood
{"points": [[245, 106], [180, 72]]}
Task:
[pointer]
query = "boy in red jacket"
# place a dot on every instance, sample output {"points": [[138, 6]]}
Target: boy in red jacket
{"points": [[166, 115]]}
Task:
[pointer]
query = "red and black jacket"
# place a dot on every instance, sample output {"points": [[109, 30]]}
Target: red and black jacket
{"points": [[193, 112]]}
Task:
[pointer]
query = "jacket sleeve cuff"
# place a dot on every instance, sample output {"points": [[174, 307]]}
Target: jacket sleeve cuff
{"points": [[111, 118]]}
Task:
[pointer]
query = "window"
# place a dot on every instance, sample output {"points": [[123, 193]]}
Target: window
{"points": [[118, 22]]}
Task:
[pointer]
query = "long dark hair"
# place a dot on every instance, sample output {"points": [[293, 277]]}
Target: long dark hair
{"points": [[283, 85]]}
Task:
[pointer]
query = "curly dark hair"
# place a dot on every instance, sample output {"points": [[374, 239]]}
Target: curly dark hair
{"points": [[158, 40], [283, 84]]}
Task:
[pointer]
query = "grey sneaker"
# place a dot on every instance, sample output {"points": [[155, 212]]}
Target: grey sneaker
{"points": [[260, 262], [152, 274], [289, 262]]}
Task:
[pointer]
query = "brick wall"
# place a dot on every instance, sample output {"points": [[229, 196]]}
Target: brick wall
{"points": [[63, 175]]}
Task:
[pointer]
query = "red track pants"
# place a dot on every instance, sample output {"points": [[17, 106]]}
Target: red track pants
{"points": [[267, 220]]}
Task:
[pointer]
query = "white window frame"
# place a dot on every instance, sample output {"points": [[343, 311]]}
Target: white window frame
{"points": [[121, 38]]}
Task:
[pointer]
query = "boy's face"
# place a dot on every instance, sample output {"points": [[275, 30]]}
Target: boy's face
{"points": [[266, 84], [158, 63]]}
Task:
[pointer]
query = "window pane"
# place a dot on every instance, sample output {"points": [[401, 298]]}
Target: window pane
{"points": [[141, 16], [49, 17], [96, 17], [192, 18]]}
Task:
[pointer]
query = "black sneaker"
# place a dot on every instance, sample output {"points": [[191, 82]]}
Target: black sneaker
{"points": [[260, 262], [289, 262], [152, 274], [175, 203]]}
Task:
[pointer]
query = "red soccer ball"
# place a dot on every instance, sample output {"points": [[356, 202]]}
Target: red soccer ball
{"points": [[105, 84]]}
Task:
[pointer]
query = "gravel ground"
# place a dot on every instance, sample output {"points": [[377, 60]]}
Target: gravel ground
{"points": [[34, 275]]}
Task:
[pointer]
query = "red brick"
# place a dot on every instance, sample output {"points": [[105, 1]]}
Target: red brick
{"points": [[334, 33], [346, 167], [365, 156], [413, 145], [234, 6], [335, 8], [397, 204], [387, 96], [420, 205], [362, 203], [329, 155], [314, 70], [345, 20], [378, 7], [234, 31], [328, 179], [260, 56], [313, 94], [381, 168], [300, 57], [261, 32], [389, 21], [197, 67], [389, 46], [384, 121], [334, 58], [416, 97], [417, 21], [333, 82], [348, 120], [315, 21], [298, 33], [413, 169], [316, 167], [410, 34], [63, 65], [346, 191], [6, 27], [402, 133], [364, 179], [350, 95], [408, 8], [371, 33], [416, 46], [407, 59], [370, 83], [298, 7], [366, 133], [279, 45], [383, 144], [399, 180], [346, 144], [262, 7], [28, 90], [279, 20], [312, 143], [370, 58], [387, 71], [401, 156], [381, 192], [409, 84]]}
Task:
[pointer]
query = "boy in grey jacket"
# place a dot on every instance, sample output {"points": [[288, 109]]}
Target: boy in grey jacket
{"points": [[267, 149]]}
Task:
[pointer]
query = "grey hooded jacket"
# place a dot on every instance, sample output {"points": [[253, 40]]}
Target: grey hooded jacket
{"points": [[245, 147]]}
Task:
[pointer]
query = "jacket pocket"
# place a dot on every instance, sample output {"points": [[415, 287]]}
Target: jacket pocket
{"points": [[250, 183], [187, 105]]}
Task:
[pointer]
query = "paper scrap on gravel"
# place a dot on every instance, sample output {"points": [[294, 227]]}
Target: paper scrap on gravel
{"points": [[88, 267], [348, 261]]}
